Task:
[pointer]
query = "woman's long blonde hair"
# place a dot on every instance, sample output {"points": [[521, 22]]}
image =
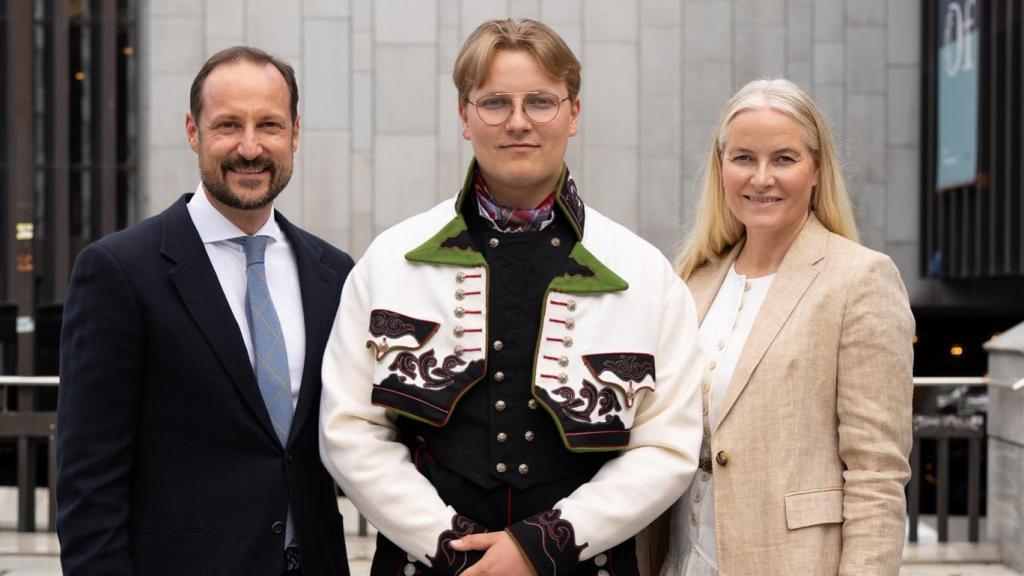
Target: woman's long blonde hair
{"points": [[715, 228]]}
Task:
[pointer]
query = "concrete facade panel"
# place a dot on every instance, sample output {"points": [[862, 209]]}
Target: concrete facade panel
{"points": [[610, 182], [760, 12], [326, 8], [760, 51], [661, 13], [327, 75], [611, 21], [611, 116], [865, 59], [176, 44], [275, 27], [405, 21], [405, 178], [659, 62], [405, 96]]}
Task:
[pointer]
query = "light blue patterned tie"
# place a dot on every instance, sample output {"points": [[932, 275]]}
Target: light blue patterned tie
{"points": [[267, 338]]}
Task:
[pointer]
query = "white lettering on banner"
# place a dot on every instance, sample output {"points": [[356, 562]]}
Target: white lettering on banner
{"points": [[959, 24]]}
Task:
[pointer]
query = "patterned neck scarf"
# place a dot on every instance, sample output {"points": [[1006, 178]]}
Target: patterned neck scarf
{"points": [[505, 219]]}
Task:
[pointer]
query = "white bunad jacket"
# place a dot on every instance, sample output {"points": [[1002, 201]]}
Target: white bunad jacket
{"points": [[616, 367]]}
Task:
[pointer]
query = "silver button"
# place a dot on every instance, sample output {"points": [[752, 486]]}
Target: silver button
{"points": [[499, 405], [501, 467], [556, 242], [460, 312], [603, 573], [460, 277], [563, 378], [571, 305], [409, 570], [746, 286], [532, 404], [460, 294], [459, 331], [528, 435], [697, 496], [570, 324], [721, 344], [567, 341], [498, 345], [601, 559], [563, 361], [524, 469], [493, 242], [712, 365], [704, 476], [499, 376], [459, 350], [706, 386], [693, 518], [502, 437]]}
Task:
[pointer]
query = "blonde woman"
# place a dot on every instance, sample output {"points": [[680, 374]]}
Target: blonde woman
{"points": [[807, 336]]}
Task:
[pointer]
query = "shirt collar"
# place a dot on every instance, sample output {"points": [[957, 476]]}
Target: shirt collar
{"points": [[215, 227]]}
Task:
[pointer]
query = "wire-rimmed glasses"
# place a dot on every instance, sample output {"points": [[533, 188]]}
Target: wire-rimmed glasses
{"points": [[540, 107]]}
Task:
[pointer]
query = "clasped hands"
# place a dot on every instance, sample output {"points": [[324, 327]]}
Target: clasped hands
{"points": [[501, 556]]}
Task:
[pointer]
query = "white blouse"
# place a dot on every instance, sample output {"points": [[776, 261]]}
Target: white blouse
{"points": [[723, 333]]}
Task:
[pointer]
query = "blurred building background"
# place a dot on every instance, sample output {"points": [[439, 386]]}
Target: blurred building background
{"points": [[924, 97]]}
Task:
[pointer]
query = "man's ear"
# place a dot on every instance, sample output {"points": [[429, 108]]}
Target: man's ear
{"points": [[574, 113], [295, 132], [192, 132], [463, 111]]}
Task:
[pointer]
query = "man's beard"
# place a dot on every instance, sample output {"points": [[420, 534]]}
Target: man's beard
{"points": [[216, 184]]}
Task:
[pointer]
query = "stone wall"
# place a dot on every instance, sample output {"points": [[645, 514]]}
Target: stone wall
{"points": [[381, 139], [1006, 447]]}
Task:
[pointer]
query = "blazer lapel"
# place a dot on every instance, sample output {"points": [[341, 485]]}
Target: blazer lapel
{"points": [[706, 280], [200, 291], [796, 273], [315, 285]]}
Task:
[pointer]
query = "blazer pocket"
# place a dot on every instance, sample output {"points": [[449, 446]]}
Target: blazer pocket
{"points": [[814, 507]]}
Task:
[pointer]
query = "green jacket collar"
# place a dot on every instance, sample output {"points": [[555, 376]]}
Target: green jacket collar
{"points": [[452, 246]]}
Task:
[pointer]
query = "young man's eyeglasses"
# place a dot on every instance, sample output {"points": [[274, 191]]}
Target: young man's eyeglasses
{"points": [[495, 109]]}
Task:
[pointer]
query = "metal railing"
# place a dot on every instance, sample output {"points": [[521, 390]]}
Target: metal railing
{"points": [[943, 429], [27, 426]]}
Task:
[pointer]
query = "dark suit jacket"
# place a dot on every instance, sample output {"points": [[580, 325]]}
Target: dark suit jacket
{"points": [[166, 460]]}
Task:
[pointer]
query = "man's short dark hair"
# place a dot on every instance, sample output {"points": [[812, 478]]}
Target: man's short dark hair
{"points": [[241, 54]]}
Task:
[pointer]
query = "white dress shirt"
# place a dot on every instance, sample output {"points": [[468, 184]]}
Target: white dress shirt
{"points": [[228, 259], [723, 333]]}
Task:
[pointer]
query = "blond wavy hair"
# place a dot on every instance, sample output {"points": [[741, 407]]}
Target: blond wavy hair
{"points": [[715, 229], [544, 44]]}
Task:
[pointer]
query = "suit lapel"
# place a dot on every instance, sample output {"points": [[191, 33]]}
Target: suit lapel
{"points": [[315, 282], [796, 273], [202, 295]]}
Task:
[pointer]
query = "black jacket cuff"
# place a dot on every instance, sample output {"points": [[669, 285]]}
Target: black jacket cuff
{"points": [[548, 541], [448, 561]]}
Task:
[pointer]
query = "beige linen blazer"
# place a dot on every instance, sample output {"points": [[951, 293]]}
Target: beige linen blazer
{"points": [[810, 451]]}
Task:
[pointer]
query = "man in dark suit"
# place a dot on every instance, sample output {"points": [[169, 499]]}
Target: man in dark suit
{"points": [[190, 362]]}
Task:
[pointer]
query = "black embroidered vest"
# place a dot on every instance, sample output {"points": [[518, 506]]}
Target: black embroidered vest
{"points": [[498, 433]]}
